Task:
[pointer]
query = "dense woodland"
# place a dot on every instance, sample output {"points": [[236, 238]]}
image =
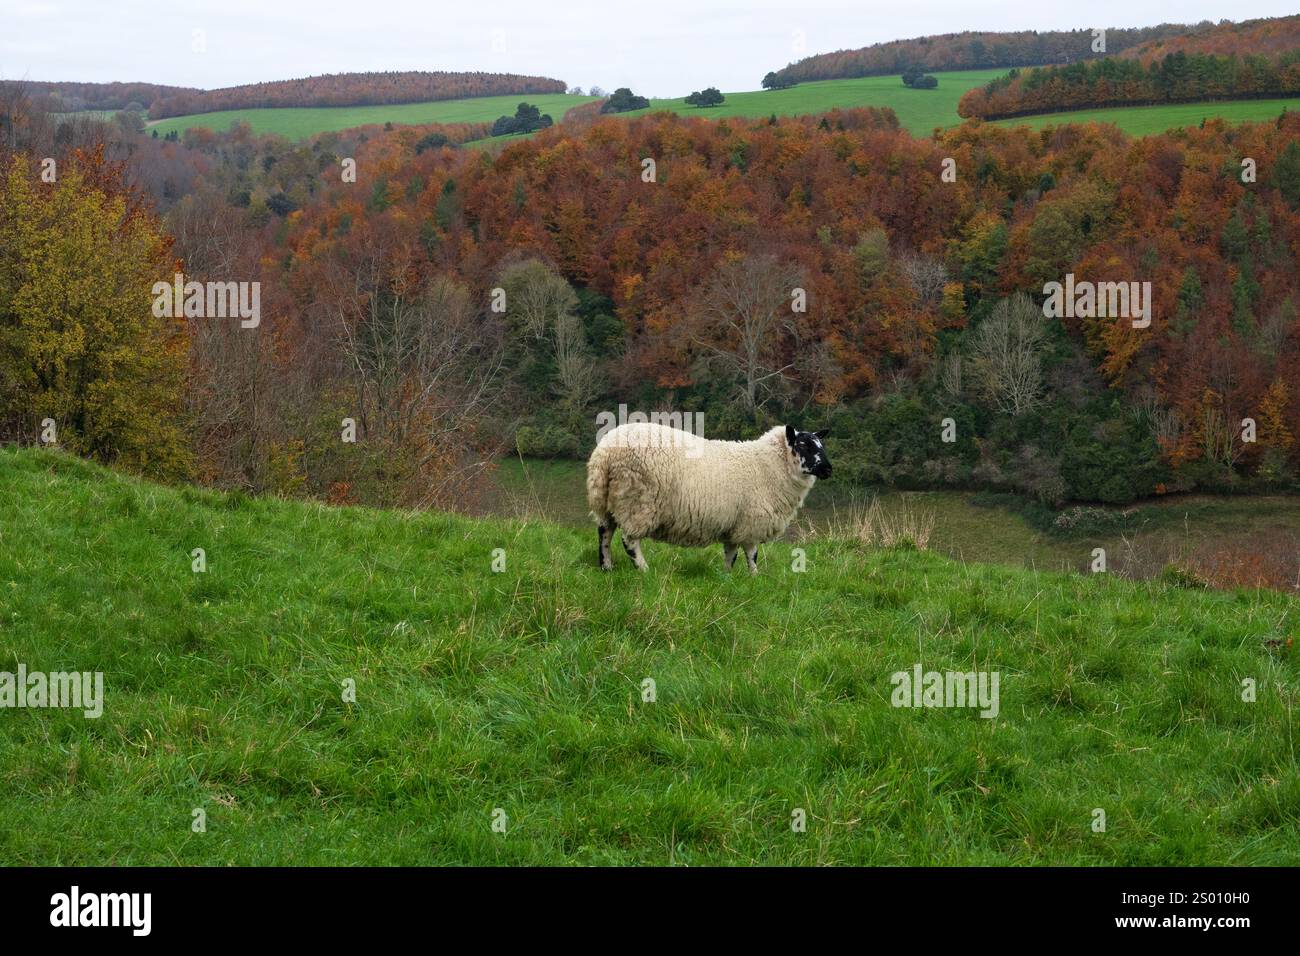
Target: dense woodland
{"points": [[352, 89], [968, 51], [1266, 37], [72, 97], [1258, 58], [923, 300], [1177, 78], [342, 89]]}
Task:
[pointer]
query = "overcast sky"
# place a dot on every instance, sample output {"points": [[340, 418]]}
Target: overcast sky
{"points": [[657, 47]]}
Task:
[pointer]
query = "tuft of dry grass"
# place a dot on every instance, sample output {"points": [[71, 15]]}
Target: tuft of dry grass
{"points": [[876, 526]]}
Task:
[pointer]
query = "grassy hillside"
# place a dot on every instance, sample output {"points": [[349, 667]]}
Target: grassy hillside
{"points": [[919, 111], [1204, 532], [520, 690], [1145, 120], [307, 121]]}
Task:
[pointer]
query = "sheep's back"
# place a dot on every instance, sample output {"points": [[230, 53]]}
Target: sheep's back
{"points": [[671, 485]]}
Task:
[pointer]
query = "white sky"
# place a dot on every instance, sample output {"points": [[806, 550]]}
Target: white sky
{"points": [[657, 47]]}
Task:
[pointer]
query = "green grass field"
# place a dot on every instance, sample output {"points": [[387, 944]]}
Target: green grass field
{"points": [[1146, 120], [522, 690], [297, 123], [919, 111]]}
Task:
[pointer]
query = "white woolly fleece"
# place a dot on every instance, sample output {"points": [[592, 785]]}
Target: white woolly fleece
{"points": [[670, 485]]}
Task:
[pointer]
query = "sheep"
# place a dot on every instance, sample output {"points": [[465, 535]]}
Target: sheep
{"points": [[669, 485]]}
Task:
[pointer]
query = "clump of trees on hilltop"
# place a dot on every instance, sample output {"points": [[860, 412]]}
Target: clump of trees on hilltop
{"points": [[708, 97], [917, 79], [623, 100], [527, 119]]}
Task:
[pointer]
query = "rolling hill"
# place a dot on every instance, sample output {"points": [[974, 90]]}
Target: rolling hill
{"points": [[73, 97], [1231, 62], [301, 122], [919, 111], [524, 692], [353, 89], [971, 50], [1146, 120]]}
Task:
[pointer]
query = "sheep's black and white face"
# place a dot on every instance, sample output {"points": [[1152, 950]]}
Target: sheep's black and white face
{"points": [[810, 451]]}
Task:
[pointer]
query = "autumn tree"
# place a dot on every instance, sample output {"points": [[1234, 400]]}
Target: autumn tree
{"points": [[80, 345], [743, 318], [1273, 432], [239, 400], [927, 275], [419, 360], [1007, 355], [550, 348]]}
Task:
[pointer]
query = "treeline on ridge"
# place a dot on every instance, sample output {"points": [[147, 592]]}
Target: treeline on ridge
{"points": [[1178, 78], [353, 89], [1265, 37], [72, 97], [967, 51]]}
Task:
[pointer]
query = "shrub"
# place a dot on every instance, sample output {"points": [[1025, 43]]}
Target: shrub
{"points": [[1114, 461], [1087, 520], [1178, 576], [546, 441], [432, 141], [622, 100]]}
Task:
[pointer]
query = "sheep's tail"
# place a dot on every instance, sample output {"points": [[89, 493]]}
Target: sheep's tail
{"points": [[598, 485]]}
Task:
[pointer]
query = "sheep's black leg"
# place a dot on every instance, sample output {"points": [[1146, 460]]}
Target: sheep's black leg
{"points": [[751, 555], [606, 560], [633, 548], [729, 552]]}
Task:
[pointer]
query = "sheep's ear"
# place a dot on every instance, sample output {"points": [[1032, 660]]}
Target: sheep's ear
{"points": [[790, 434], [823, 433]]}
